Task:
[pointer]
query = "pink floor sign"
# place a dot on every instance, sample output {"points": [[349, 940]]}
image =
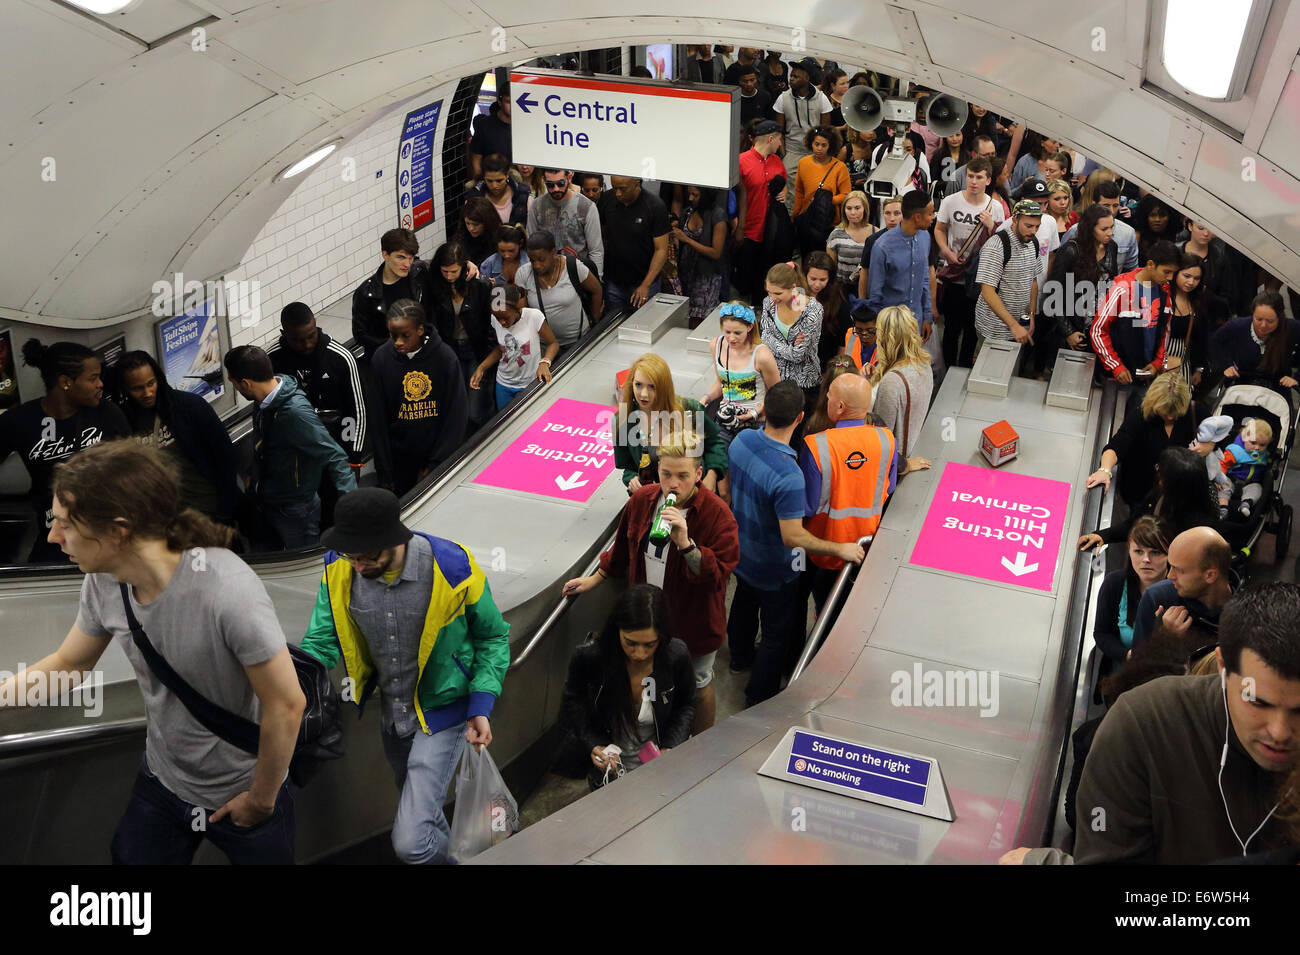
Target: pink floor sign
{"points": [[565, 453], [995, 525]]}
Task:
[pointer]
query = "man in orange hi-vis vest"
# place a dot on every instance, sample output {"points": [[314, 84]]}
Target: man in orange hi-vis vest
{"points": [[849, 472]]}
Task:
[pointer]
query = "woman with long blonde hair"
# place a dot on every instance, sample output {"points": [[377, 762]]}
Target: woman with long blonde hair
{"points": [[903, 382], [649, 407]]}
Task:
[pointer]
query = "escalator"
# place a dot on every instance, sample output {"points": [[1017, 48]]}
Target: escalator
{"points": [[66, 772]]}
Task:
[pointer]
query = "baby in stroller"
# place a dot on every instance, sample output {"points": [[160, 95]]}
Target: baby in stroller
{"points": [[1241, 467], [1245, 467]]}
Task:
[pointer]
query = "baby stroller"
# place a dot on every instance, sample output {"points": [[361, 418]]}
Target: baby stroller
{"points": [[1257, 401]]}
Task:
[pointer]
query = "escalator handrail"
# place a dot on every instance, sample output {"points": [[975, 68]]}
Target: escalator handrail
{"points": [[556, 613], [39, 740], [818, 632], [242, 415]]}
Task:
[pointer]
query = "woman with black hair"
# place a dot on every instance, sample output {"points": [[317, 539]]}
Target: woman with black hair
{"points": [[1154, 219], [1193, 314], [701, 237], [70, 417], [185, 428], [477, 233], [632, 687], [1180, 499], [1076, 283], [419, 399], [461, 309], [1263, 347]]}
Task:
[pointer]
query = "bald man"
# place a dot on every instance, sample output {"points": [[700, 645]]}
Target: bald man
{"points": [[1200, 582], [849, 472]]}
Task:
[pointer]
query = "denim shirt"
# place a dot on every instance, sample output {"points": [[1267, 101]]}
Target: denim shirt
{"points": [[391, 617], [900, 272]]}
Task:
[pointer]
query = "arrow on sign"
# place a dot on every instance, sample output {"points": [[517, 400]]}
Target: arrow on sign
{"points": [[1019, 568], [570, 482], [524, 102]]}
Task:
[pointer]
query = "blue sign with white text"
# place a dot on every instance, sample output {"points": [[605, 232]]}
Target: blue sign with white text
{"points": [[415, 167], [860, 768]]}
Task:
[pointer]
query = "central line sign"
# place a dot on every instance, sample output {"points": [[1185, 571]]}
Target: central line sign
{"points": [[626, 126]]}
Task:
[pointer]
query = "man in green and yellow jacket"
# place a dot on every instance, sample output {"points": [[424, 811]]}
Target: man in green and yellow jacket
{"points": [[411, 615]]}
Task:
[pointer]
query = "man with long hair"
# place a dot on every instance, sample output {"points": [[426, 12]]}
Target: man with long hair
{"points": [[161, 581]]}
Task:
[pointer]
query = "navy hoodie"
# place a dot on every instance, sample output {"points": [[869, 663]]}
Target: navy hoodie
{"points": [[421, 403]]}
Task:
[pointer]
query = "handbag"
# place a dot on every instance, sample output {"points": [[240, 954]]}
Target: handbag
{"points": [[907, 412], [977, 237], [813, 225], [320, 737]]}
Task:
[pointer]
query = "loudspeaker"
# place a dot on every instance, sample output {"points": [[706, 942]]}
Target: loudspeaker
{"points": [[862, 108], [944, 115]]}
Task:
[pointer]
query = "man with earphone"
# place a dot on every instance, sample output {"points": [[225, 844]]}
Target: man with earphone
{"points": [[1192, 769]]}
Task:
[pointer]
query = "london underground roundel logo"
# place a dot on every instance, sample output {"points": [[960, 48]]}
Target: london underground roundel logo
{"points": [[855, 460]]}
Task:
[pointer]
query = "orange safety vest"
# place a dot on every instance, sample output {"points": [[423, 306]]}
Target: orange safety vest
{"points": [[853, 348], [854, 463]]}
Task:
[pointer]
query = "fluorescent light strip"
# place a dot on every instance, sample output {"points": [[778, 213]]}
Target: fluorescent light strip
{"points": [[101, 8], [311, 159]]}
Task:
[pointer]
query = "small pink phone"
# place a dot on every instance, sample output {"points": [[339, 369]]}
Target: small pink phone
{"points": [[648, 752]]}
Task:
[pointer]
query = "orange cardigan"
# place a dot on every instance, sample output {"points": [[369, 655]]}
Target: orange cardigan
{"points": [[808, 174]]}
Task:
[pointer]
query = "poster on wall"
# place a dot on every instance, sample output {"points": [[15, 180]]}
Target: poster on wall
{"points": [[415, 167], [190, 349], [8, 372], [659, 60], [109, 353]]}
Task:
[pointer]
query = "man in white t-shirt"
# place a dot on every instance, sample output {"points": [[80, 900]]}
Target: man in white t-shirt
{"points": [[800, 108], [961, 219]]}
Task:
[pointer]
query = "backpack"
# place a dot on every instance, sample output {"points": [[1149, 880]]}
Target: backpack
{"points": [[571, 260], [972, 270]]}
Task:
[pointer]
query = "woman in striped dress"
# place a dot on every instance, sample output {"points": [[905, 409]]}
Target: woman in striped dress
{"points": [[845, 242]]}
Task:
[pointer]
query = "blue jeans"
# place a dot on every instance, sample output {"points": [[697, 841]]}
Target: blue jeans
{"points": [[420, 831], [783, 616], [158, 828], [506, 394], [297, 524], [619, 296]]}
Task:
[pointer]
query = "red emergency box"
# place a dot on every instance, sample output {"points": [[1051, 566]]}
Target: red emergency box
{"points": [[999, 443]]}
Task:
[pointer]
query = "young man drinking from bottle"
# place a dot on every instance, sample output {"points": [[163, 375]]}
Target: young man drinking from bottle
{"points": [[681, 537]]}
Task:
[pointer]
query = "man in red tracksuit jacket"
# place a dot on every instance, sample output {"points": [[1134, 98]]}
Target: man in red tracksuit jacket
{"points": [[691, 567], [1131, 330]]}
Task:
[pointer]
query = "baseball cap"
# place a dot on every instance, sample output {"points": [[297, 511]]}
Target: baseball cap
{"points": [[1032, 189], [766, 127], [1026, 207]]}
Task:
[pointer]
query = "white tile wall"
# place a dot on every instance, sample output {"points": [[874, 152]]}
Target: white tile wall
{"points": [[324, 239]]}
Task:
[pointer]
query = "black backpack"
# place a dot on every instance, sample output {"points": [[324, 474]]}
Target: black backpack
{"points": [[972, 270], [571, 260]]}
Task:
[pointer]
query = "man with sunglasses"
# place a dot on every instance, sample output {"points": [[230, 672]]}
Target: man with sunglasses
{"points": [[569, 216], [412, 616]]}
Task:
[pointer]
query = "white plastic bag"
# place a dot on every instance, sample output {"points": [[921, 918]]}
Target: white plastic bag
{"points": [[485, 813]]}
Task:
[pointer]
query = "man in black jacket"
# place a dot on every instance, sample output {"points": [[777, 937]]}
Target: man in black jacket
{"points": [[327, 374], [184, 427], [401, 276]]}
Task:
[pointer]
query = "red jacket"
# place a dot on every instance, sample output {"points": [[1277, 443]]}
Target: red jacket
{"points": [[697, 603], [1116, 336]]}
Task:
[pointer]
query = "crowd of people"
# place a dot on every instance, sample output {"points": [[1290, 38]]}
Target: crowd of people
{"points": [[844, 308]]}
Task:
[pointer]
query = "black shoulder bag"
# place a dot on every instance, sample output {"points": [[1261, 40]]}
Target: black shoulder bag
{"points": [[320, 737]]}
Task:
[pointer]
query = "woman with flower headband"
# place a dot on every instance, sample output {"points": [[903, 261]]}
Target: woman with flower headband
{"points": [[744, 370]]}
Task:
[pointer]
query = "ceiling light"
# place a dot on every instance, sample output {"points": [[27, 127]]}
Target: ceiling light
{"points": [[1210, 46], [311, 159], [102, 8]]}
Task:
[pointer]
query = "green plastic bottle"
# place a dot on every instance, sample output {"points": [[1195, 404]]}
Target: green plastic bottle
{"points": [[659, 530]]}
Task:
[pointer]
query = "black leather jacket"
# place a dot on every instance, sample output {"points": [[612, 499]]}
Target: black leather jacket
{"points": [[369, 323], [673, 704]]}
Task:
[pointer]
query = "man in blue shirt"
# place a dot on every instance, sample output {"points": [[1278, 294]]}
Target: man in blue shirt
{"points": [[767, 498], [900, 262]]}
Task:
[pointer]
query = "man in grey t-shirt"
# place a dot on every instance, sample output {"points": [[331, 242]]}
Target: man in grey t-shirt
{"points": [[208, 616]]}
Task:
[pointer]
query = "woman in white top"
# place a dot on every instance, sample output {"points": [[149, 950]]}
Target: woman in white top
{"points": [[521, 333], [902, 382]]}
